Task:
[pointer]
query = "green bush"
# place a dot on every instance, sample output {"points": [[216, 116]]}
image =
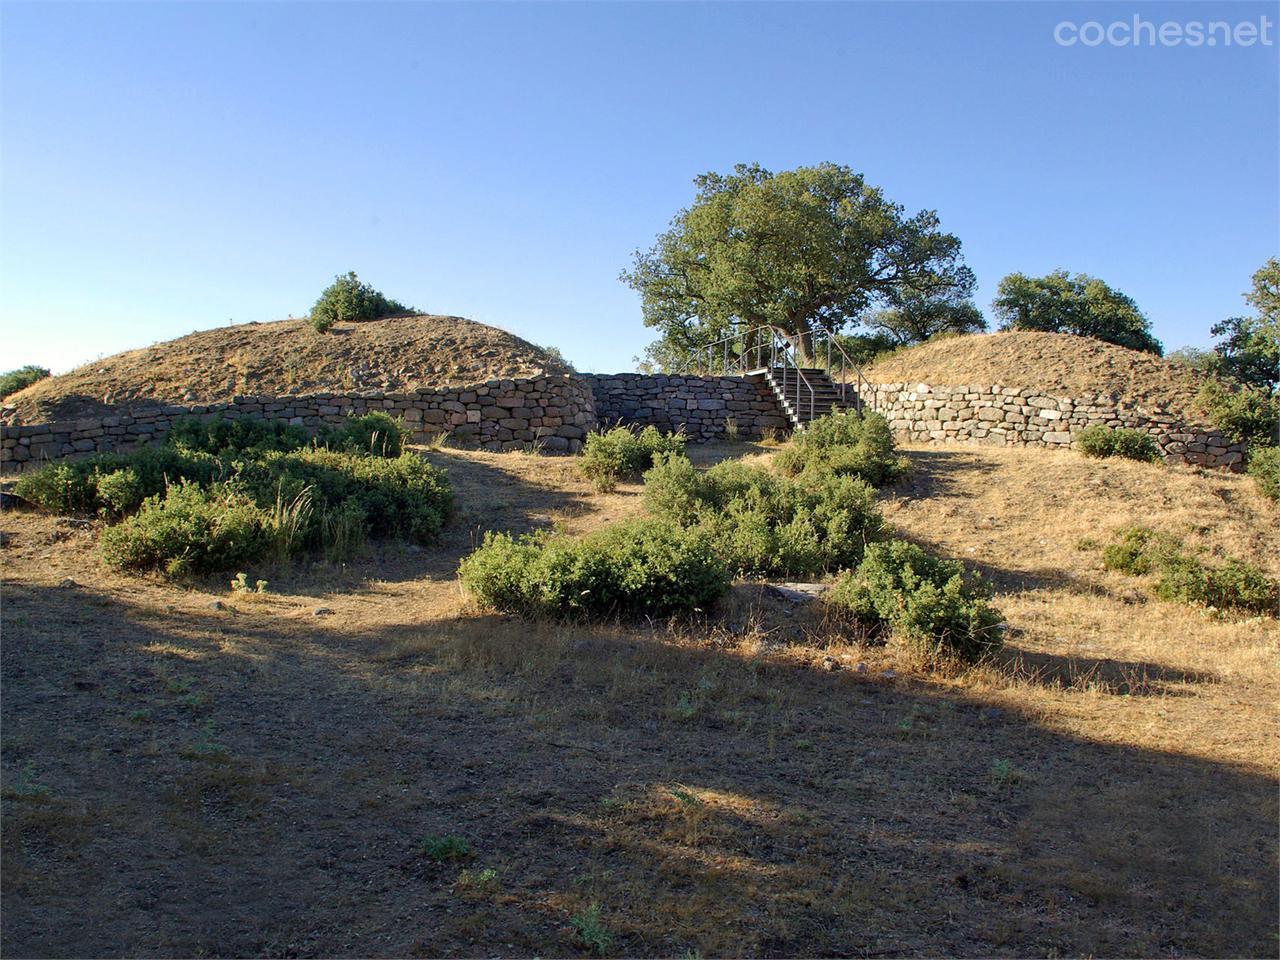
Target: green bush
{"points": [[1242, 413], [926, 602], [377, 433], [845, 443], [1100, 441], [622, 453], [640, 568], [1264, 467], [190, 530], [1235, 585], [231, 435], [95, 484], [1139, 550], [316, 499], [764, 524], [349, 299], [12, 381]]}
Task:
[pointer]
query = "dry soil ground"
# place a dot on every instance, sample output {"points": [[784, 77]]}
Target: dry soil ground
{"points": [[181, 778]]}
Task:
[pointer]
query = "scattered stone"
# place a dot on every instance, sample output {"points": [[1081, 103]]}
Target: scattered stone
{"points": [[68, 584], [322, 612], [797, 592], [217, 605], [830, 663], [889, 674], [861, 668]]}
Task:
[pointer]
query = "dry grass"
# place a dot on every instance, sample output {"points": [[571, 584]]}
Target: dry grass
{"points": [[257, 779], [1056, 364], [282, 358]]}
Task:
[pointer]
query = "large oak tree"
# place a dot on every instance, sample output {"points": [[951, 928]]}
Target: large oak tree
{"points": [[806, 249], [1080, 304]]}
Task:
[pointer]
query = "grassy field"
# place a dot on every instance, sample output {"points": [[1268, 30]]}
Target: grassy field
{"points": [[195, 772]]}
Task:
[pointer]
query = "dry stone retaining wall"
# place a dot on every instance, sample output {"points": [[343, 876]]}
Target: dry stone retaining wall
{"points": [[1019, 417], [554, 412], [701, 406]]}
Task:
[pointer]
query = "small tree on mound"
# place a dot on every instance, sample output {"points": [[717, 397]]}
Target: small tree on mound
{"points": [[1082, 305], [349, 299], [15, 380]]}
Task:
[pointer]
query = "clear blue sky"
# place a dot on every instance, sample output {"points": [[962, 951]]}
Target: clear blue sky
{"points": [[167, 167]]}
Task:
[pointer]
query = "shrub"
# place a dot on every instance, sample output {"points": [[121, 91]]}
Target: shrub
{"points": [[766, 525], [1100, 441], [1264, 467], [1140, 550], [643, 567], [12, 381], [349, 299], [845, 443], [401, 497], [1182, 577], [376, 433], [1249, 414], [314, 498], [1234, 585], [232, 435], [623, 453], [925, 601], [190, 530], [96, 484]]}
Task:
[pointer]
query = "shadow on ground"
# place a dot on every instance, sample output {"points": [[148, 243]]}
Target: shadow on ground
{"points": [[187, 784]]}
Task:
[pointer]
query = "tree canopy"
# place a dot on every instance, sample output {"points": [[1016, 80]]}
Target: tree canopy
{"points": [[914, 317], [1080, 304], [1249, 347], [804, 249], [347, 298]]}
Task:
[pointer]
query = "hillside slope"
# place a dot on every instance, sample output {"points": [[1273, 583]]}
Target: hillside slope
{"points": [[1059, 364], [282, 358]]}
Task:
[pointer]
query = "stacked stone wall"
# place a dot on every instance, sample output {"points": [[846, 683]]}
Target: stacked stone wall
{"points": [[701, 406], [1019, 417], [555, 413]]}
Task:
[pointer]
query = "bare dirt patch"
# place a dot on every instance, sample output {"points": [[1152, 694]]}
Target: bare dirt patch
{"points": [[283, 358], [1058, 364], [251, 779]]}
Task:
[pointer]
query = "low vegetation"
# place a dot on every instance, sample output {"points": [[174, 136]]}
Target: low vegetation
{"points": [[642, 568], [623, 454], [222, 494], [846, 444], [764, 524], [1264, 467], [1100, 441], [347, 298], [12, 381], [926, 603], [1243, 413], [1181, 576]]}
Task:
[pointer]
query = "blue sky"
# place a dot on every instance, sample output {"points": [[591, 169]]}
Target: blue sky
{"points": [[169, 167]]}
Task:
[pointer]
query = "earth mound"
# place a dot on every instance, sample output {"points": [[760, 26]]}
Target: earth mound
{"points": [[285, 358], [1057, 364]]}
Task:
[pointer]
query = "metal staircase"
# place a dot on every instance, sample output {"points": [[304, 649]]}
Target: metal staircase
{"points": [[825, 382]]}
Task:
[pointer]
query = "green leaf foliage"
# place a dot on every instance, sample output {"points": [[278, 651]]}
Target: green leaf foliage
{"points": [[348, 299], [813, 247], [1264, 467], [848, 444], [768, 525], [1080, 305], [1100, 441], [925, 602], [11, 381], [1183, 577], [623, 453], [642, 568]]}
